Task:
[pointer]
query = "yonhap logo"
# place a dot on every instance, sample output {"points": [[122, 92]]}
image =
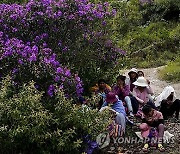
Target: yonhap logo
{"points": [[103, 140]]}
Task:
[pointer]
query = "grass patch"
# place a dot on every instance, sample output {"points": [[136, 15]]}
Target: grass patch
{"points": [[171, 72]]}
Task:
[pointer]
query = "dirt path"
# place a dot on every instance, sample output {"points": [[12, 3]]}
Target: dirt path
{"points": [[157, 84]]}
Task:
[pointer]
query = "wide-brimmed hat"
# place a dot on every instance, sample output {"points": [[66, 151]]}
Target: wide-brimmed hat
{"points": [[145, 129], [141, 82], [111, 97], [133, 70]]}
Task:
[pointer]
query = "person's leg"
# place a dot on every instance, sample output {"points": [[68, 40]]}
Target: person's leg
{"points": [[134, 103], [160, 137], [128, 103], [144, 132], [164, 109], [175, 108], [120, 120], [160, 133]]}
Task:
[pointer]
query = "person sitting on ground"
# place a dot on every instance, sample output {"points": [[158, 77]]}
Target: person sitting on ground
{"points": [[129, 81], [101, 89], [141, 73], [132, 78], [141, 92], [152, 119], [168, 103], [117, 105], [122, 90]]}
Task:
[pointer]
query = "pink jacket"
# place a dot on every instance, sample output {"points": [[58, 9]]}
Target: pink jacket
{"points": [[142, 97]]}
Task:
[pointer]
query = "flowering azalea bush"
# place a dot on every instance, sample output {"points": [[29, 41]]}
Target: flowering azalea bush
{"points": [[56, 42]]}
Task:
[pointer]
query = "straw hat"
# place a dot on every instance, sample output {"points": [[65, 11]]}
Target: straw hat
{"points": [[141, 82]]}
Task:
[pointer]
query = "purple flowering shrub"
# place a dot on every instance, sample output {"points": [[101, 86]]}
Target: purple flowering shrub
{"points": [[52, 42]]}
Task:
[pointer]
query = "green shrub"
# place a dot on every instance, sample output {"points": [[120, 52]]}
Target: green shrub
{"points": [[171, 72], [13, 1], [30, 123]]}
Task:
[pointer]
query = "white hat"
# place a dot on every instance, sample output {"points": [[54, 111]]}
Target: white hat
{"points": [[133, 70], [141, 82], [164, 95]]}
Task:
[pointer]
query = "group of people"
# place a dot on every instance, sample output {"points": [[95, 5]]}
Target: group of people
{"points": [[133, 96]]}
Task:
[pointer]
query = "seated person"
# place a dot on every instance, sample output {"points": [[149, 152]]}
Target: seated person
{"points": [[117, 105], [152, 119], [141, 73], [168, 103], [132, 78], [141, 92], [122, 90], [101, 89]]}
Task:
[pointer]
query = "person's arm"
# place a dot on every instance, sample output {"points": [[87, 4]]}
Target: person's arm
{"points": [[149, 90], [104, 104], [115, 89], [160, 120], [108, 87], [135, 95], [126, 90]]}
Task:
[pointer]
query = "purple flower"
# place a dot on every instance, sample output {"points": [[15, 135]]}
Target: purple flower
{"points": [[108, 43], [104, 23], [27, 49], [1, 33], [51, 90], [63, 79], [59, 70], [71, 17], [61, 86], [15, 70], [14, 16], [77, 78], [44, 44], [67, 73], [57, 78], [35, 49], [37, 39], [44, 35], [65, 49], [47, 51], [114, 12], [59, 14], [120, 51], [33, 57], [14, 30], [60, 43], [46, 60], [36, 86], [20, 61]]}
